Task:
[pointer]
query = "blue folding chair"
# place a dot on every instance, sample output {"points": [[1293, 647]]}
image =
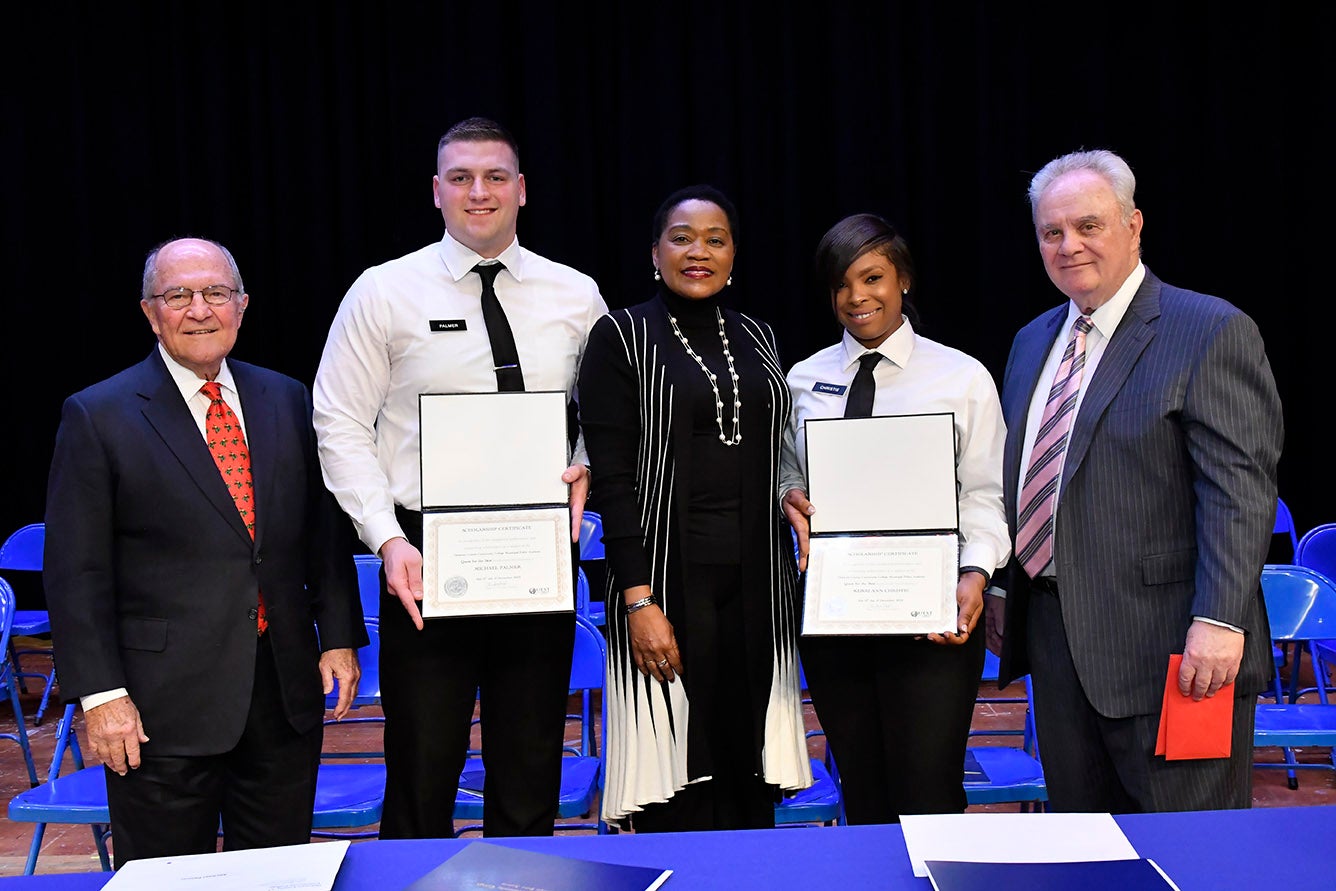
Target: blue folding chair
{"points": [[79, 797], [368, 583], [22, 552], [581, 765], [822, 803], [1284, 525], [350, 795], [1301, 609], [1317, 551], [591, 556], [998, 774], [8, 685]]}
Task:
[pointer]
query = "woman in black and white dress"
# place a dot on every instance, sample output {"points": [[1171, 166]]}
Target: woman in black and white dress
{"points": [[684, 406]]}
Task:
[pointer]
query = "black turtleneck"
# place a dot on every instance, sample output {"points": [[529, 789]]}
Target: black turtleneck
{"points": [[713, 530]]}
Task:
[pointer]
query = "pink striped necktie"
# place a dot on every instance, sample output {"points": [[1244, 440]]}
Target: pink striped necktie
{"points": [[1034, 540]]}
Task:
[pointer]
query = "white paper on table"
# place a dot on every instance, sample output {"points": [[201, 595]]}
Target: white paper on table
{"points": [[493, 449], [308, 867], [910, 488], [1013, 838]]}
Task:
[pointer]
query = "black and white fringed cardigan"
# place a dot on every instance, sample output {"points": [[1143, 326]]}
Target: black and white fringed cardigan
{"points": [[635, 430]]}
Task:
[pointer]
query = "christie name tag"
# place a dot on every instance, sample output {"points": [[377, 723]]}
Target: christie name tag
{"points": [[832, 389], [448, 325]]}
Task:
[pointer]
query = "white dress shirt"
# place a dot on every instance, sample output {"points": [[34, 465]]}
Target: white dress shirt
{"points": [[918, 375], [414, 325]]}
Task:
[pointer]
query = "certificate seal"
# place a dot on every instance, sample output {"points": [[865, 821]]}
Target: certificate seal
{"points": [[456, 586]]}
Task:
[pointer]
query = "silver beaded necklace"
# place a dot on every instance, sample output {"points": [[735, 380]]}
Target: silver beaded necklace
{"points": [[714, 385]]}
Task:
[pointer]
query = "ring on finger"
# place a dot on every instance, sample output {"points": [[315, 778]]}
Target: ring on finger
{"points": [[661, 663]]}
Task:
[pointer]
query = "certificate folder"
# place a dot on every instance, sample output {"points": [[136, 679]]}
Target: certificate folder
{"points": [[482, 865], [884, 549], [496, 530], [1097, 875]]}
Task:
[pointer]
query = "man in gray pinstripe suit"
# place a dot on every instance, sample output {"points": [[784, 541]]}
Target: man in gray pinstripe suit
{"points": [[1165, 500]]}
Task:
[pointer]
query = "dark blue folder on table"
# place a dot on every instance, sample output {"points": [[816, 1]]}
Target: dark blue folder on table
{"points": [[481, 865], [1093, 875]]}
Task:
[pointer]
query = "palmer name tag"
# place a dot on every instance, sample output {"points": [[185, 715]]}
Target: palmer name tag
{"points": [[448, 325]]}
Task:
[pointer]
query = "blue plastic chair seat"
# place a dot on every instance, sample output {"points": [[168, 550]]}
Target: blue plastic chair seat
{"points": [[1012, 776], [77, 797], [1303, 724], [819, 803], [348, 795]]}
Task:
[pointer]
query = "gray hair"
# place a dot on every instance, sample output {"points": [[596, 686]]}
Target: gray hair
{"points": [[151, 264], [1103, 162]]}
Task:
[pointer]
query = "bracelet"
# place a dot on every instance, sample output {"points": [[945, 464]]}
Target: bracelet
{"points": [[641, 604]]}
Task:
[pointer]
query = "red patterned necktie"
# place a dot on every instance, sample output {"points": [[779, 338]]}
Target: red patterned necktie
{"points": [[227, 444], [1034, 541]]}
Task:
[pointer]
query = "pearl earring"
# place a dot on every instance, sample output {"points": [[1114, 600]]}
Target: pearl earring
{"points": [[657, 277], [729, 282], [904, 293]]}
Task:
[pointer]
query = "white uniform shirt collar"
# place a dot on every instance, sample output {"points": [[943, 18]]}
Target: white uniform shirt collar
{"points": [[897, 347], [460, 260]]}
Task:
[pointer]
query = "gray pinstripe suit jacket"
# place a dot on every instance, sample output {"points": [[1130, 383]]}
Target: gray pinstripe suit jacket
{"points": [[1168, 493]]}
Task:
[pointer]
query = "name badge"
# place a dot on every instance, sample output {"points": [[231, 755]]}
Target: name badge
{"points": [[832, 389], [448, 325]]}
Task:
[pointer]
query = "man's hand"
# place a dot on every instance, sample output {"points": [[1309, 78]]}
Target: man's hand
{"points": [[994, 621], [1211, 659], [577, 477], [797, 508], [343, 665], [115, 734], [403, 575]]}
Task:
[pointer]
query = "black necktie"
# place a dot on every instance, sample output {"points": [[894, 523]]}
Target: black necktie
{"points": [[858, 404], [505, 358]]}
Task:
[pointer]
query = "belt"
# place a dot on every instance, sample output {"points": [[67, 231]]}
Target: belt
{"points": [[1045, 583]]}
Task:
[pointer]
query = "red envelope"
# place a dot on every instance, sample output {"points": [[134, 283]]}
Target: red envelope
{"points": [[1194, 729]]}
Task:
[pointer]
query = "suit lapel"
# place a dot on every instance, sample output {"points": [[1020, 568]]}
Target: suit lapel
{"points": [[1030, 355], [1129, 341], [169, 415]]}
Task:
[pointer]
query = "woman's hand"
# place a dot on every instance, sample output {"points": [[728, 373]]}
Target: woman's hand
{"points": [[653, 644], [969, 607]]}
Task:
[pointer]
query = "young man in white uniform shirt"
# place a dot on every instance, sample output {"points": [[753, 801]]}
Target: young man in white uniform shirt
{"points": [[415, 325]]}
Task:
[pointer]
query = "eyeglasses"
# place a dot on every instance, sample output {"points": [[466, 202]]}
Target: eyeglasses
{"points": [[180, 298]]}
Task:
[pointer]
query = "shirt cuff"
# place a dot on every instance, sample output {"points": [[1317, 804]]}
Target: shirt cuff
{"points": [[987, 576], [1218, 622], [93, 700]]}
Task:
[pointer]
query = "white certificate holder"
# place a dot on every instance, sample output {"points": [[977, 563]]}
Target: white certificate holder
{"points": [[884, 549], [496, 528]]}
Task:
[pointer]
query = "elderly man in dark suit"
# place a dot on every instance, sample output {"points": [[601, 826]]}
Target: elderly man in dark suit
{"points": [[191, 551], [1143, 432]]}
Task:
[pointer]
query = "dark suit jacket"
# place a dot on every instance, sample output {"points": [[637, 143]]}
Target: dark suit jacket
{"points": [[150, 575], [1168, 493]]}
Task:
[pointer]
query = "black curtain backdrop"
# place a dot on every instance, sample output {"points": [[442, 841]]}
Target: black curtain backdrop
{"points": [[303, 137]]}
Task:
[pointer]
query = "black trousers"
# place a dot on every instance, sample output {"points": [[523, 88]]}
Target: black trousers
{"points": [[261, 793], [518, 667], [896, 713], [723, 739], [1097, 764]]}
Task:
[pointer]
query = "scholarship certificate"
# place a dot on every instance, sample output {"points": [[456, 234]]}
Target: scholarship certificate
{"points": [[496, 527], [884, 547]]}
